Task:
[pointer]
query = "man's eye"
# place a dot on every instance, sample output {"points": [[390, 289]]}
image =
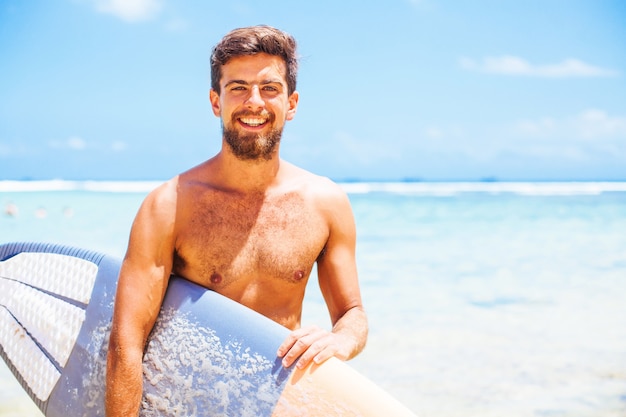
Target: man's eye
{"points": [[270, 88]]}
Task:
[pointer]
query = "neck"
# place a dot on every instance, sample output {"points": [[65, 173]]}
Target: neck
{"points": [[247, 176]]}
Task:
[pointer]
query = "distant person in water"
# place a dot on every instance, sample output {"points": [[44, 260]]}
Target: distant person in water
{"points": [[11, 210], [41, 213], [245, 224]]}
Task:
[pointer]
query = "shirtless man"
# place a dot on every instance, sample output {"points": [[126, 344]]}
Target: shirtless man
{"points": [[245, 224]]}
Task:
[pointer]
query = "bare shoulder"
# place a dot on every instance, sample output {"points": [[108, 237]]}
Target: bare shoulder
{"points": [[330, 195], [158, 209], [164, 196], [327, 196], [321, 188]]}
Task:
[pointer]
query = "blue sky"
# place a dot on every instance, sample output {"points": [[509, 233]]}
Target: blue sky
{"points": [[394, 89]]}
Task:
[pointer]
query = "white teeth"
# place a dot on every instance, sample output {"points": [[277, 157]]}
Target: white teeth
{"points": [[253, 121]]}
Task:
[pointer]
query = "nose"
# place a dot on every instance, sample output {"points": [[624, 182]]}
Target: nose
{"points": [[254, 100]]}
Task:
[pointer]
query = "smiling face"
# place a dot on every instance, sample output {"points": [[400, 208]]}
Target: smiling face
{"points": [[253, 105]]}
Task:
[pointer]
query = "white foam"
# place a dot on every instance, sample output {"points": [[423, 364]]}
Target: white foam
{"points": [[95, 186], [425, 188], [454, 188], [120, 186]]}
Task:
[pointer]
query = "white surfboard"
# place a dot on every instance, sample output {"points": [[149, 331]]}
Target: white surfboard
{"points": [[206, 356]]}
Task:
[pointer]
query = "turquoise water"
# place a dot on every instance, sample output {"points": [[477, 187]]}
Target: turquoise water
{"points": [[484, 300]]}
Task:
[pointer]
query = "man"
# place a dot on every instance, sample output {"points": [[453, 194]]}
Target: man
{"points": [[245, 224]]}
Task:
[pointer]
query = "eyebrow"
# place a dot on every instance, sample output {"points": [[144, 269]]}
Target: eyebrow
{"points": [[264, 82]]}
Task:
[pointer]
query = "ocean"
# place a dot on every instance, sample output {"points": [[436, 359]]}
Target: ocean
{"points": [[484, 299]]}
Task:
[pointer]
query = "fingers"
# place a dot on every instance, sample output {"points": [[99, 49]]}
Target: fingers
{"points": [[306, 345]]}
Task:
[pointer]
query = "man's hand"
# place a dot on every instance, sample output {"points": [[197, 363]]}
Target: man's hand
{"points": [[312, 344]]}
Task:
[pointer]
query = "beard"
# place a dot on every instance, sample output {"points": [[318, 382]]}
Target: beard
{"points": [[251, 146]]}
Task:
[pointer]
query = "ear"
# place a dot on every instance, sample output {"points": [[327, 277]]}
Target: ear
{"points": [[214, 98], [293, 105]]}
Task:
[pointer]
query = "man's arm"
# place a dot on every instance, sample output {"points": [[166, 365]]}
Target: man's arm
{"points": [[141, 287], [338, 280]]}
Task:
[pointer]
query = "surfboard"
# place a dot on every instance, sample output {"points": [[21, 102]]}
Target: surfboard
{"points": [[206, 356]]}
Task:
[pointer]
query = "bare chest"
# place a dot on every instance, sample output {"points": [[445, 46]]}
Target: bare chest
{"points": [[225, 240]]}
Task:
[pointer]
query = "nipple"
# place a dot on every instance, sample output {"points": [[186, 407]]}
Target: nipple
{"points": [[298, 275], [216, 278]]}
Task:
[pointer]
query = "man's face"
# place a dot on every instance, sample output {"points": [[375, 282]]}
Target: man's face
{"points": [[254, 105]]}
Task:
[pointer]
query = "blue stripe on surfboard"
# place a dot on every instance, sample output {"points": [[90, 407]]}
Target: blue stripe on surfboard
{"points": [[9, 250]]}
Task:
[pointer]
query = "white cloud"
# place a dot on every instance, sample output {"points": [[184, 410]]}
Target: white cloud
{"points": [[74, 143], [594, 123], [177, 25], [568, 152], [434, 132], [17, 149], [363, 152], [129, 10], [583, 136], [448, 134], [539, 127], [119, 146], [512, 65], [590, 124], [5, 150], [422, 4]]}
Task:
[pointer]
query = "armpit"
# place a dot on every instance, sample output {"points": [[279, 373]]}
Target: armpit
{"points": [[179, 263], [321, 254]]}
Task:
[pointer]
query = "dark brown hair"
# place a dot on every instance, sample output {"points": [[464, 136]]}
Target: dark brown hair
{"points": [[253, 40]]}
